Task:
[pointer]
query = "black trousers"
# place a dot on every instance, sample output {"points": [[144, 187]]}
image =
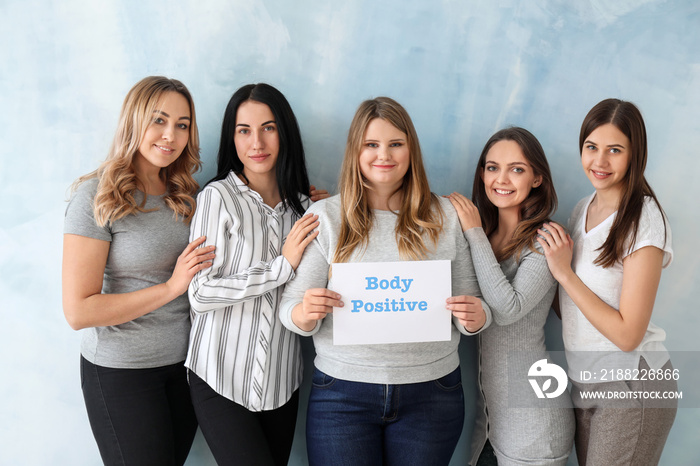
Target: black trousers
{"points": [[139, 416], [240, 437]]}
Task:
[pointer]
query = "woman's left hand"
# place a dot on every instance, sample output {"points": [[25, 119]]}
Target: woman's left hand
{"points": [[469, 311], [466, 211], [558, 249], [317, 194]]}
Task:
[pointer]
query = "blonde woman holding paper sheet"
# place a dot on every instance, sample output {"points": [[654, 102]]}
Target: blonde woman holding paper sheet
{"points": [[396, 403]]}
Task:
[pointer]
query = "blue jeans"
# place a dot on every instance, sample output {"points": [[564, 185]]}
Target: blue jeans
{"points": [[356, 423]]}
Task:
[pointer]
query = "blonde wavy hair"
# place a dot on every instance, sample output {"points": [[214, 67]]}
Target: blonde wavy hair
{"points": [[118, 183], [420, 214]]}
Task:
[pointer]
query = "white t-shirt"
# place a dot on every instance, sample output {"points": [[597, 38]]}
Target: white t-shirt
{"points": [[586, 348]]}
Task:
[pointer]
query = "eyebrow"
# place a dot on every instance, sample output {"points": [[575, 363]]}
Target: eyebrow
{"points": [[390, 140], [588, 141], [261, 124], [510, 164], [168, 116]]}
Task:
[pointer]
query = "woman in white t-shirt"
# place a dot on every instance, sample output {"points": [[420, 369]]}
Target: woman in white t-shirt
{"points": [[609, 269]]}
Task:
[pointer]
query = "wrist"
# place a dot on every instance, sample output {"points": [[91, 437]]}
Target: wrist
{"points": [[476, 329], [298, 320], [288, 259], [309, 326], [565, 277], [170, 291]]}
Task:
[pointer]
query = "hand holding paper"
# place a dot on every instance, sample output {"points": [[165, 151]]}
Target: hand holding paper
{"points": [[468, 310], [317, 303]]}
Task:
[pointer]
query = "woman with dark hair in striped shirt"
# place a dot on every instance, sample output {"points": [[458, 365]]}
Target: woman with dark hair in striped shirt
{"points": [[245, 368]]}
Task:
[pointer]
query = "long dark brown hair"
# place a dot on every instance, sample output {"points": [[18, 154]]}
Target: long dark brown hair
{"points": [[626, 117], [535, 210]]}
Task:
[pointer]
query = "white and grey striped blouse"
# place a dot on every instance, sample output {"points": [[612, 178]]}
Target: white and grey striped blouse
{"points": [[238, 344]]}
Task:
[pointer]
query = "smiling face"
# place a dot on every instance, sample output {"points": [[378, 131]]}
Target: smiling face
{"points": [[507, 175], [256, 139], [385, 157], [605, 158], [166, 136]]}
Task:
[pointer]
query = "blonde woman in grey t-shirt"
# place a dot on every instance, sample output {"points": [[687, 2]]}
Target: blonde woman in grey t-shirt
{"points": [[125, 275]]}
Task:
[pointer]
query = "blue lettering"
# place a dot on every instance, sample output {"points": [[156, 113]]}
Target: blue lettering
{"points": [[396, 283], [371, 283], [388, 306]]}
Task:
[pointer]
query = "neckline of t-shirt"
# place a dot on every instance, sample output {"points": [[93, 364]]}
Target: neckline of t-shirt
{"points": [[385, 212], [607, 220], [157, 196]]}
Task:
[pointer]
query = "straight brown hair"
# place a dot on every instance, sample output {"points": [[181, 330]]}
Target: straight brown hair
{"points": [[626, 117]]}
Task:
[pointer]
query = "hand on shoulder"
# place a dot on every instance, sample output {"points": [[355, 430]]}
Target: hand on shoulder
{"points": [[466, 211]]}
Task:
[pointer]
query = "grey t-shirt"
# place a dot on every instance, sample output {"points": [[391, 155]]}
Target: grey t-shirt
{"points": [[143, 251]]}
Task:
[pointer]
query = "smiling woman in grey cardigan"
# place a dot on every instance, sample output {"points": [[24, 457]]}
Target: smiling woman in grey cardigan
{"points": [[514, 195]]}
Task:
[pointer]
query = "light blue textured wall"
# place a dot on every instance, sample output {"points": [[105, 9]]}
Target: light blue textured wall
{"points": [[463, 69]]}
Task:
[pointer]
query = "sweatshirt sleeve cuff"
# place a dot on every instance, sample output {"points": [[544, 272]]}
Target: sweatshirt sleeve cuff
{"points": [[286, 308]]}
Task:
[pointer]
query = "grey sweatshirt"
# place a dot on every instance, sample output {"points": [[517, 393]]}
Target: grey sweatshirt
{"points": [[396, 363]]}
